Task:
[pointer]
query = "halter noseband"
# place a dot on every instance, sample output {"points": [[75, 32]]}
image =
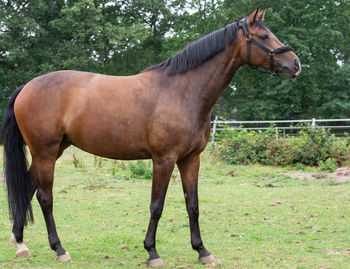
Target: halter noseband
{"points": [[272, 53]]}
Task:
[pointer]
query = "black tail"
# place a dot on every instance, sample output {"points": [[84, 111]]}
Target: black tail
{"points": [[16, 167]]}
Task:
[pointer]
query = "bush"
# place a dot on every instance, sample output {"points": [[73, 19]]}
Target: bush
{"points": [[141, 169], [310, 147], [330, 165]]}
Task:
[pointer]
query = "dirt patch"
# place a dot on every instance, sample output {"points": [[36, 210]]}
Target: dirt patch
{"points": [[340, 175], [336, 252], [2, 178]]}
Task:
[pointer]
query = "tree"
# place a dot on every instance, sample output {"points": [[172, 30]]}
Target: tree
{"points": [[320, 40], [123, 37], [37, 37]]}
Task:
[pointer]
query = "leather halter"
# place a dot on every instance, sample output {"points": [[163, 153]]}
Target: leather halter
{"points": [[271, 53]]}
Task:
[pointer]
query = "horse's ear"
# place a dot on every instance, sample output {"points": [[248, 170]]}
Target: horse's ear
{"points": [[252, 17], [261, 15]]}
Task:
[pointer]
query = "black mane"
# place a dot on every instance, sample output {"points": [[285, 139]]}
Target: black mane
{"points": [[198, 51]]}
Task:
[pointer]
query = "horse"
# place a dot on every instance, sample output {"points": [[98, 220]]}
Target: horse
{"points": [[162, 113]]}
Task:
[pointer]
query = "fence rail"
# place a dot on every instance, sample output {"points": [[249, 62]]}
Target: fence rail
{"points": [[266, 124]]}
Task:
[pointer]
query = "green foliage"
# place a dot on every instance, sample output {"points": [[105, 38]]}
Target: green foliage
{"points": [[124, 37], [141, 169], [329, 165], [319, 33], [245, 147], [310, 147]]}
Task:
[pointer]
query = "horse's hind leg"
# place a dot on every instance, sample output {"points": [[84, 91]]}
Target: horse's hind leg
{"points": [[189, 168], [17, 229], [45, 172]]}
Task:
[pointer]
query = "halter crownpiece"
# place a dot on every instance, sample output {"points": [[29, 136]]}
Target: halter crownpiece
{"points": [[272, 53]]}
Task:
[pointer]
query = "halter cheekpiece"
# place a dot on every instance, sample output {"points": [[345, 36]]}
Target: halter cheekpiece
{"points": [[271, 53]]}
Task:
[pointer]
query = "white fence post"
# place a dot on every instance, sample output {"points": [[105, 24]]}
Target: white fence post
{"points": [[214, 131], [313, 123]]}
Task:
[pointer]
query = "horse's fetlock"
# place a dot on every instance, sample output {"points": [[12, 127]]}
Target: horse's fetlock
{"points": [[54, 243], [197, 244], [148, 244], [17, 237]]}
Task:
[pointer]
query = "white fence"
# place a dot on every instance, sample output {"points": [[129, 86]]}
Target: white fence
{"points": [[337, 126]]}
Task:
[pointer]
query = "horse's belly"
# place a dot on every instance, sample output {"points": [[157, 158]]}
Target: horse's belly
{"points": [[119, 152], [116, 142]]}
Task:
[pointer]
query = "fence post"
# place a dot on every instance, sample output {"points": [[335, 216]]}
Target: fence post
{"points": [[276, 128], [214, 131], [313, 123]]}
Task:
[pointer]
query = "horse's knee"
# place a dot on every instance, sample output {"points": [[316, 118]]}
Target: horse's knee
{"points": [[193, 211], [156, 209]]}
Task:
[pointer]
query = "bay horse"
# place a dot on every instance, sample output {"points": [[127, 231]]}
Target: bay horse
{"points": [[162, 114]]}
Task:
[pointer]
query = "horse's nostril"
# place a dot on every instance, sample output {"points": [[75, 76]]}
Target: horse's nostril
{"points": [[297, 64]]}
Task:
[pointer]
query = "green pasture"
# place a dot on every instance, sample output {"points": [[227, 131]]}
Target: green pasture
{"points": [[250, 217]]}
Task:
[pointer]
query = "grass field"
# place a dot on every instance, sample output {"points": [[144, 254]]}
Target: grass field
{"points": [[250, 217]]}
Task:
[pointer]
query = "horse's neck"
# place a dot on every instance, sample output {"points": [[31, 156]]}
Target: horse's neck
{"points": [[210, 80]]}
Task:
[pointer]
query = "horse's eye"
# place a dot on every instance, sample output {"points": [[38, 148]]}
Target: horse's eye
{"points": [[264, 37]]}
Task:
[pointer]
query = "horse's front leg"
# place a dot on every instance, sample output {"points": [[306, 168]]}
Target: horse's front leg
{"points": [[189, 168], [162, 169]]}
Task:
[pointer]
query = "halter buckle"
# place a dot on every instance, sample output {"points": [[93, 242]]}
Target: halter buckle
{"points": [[271, 53], [248, 37]]}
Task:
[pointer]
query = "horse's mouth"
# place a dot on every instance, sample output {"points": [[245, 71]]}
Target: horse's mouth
{"points": [[290, 74]]}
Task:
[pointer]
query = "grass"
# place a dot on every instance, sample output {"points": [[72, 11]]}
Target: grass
{"points": [[250, 217]]}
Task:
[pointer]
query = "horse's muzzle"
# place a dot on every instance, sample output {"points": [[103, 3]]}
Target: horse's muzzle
{"points": [[292, 70]]}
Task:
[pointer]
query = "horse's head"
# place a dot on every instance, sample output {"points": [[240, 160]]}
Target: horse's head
{"points": [[261, 48]]}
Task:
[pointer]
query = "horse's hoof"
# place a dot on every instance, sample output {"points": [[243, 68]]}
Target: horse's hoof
{"points": [[23, 253], [207, 259], [154, 263], [64, 258]]}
